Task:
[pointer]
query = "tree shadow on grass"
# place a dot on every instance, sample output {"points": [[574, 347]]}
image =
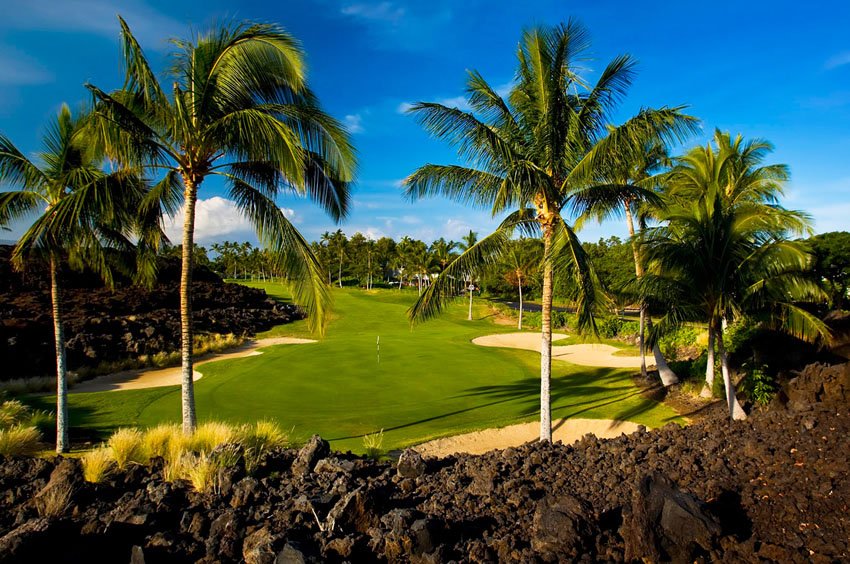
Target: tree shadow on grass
{"points": [[575, 394]]}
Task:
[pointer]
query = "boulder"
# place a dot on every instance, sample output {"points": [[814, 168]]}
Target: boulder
{"points": [[410, 464], [315, 449]]}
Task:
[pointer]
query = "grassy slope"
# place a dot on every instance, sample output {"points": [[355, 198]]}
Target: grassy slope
{"points": [[430, 381]]}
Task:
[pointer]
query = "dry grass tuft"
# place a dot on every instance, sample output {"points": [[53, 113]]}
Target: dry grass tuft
{"points": [[126, 445], [54, 501], [373, 445], [162, 440], [97, 464], [258, 439], [211, 434], [20, 441]]}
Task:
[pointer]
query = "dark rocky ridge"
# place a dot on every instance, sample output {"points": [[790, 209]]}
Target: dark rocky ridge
{"points": [[772, 488], [103, 325]]}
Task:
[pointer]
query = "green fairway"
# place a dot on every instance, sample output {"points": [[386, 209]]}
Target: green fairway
{"points": [[427, 382]]}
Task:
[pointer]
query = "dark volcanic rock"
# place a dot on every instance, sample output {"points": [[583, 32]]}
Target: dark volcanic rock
{"points": [[103, 325], [775, 487], [410, 464]]}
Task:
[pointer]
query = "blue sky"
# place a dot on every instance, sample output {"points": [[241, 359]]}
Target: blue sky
{"points": [[773, 69]]}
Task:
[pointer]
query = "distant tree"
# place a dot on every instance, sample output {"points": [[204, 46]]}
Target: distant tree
{"points": [[443, 251], [520, 264], [83, 211], [237, 105], [336, 246], [832, 265]]}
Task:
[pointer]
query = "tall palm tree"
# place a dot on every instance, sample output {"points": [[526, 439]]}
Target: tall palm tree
{"points": [[726, 249], [443, 251], [239, 108], [538, 152], [337, 244], [82, 210]]}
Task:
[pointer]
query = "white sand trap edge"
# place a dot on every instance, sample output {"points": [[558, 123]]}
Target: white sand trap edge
{"points": [[586, 354], [567, 431], [155, 378]]}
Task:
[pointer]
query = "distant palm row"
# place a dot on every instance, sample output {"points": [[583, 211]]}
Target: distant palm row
{"points": [[710, 241]]}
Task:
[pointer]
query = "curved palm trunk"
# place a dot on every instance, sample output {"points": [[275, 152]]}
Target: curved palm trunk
{"points": [[61, 373], [736, 412], [546, 339], [707, 389], [186, 334], [668, 377], [519, 287]]}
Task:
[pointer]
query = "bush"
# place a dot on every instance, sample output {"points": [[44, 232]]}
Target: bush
{"points": [[126, 445], [20, 441], [758, 385], [97, 464], [674, 341]]}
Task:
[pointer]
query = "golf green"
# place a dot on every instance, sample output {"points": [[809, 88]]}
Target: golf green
{"points": [[372, 371]]}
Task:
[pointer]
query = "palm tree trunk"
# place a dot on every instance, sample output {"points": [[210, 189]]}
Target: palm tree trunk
{"points": [[339, 275], [519, 287], [707, 389], [668, 377], [546, 339], [469, 318], [736, 412], [61, 373], [186, 334], [642, 341]]}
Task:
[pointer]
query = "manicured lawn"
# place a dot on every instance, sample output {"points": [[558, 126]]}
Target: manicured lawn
{"points": [[429, 381]]}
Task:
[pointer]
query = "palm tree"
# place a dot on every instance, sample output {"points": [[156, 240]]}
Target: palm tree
{"points": [[336, 245], [443, 251], [521, 261], [725, 250], [82, 210], [538, 152], [239, 108]]}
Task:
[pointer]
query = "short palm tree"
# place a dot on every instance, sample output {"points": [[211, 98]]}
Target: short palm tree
{"points": [[82, 210], [521, 261], [539, 153], [239, 108], [726, 249]]}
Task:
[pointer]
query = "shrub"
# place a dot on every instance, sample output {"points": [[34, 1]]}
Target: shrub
{"points": [[20, 441], [373, 445], [609, 327], [97, 464], [758, 385], [13, 412], [126, 445]]}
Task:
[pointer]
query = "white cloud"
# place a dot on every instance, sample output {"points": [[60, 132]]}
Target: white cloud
{"points": [[403, 107], [354, 123], [150, 27], [217, 219], [17, 68], [459, 102], [838, 60], [384, 12]]}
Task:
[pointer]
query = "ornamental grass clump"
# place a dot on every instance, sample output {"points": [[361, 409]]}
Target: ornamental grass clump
{"points": [[373, 445], [258, 439], [126, 445], [162, 440], [210, 435], [97, 464], [20, 441]]}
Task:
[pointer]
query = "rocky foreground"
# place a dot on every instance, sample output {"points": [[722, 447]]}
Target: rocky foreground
{"points": [[772, 488], [103, 325]]}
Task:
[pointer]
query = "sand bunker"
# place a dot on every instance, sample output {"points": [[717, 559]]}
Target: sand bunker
{"points": [[586, 354], [154, 378], [567, 431]]}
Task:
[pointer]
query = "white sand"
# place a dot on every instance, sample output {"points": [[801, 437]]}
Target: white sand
{"points": [[154, 378], [586, 354], [567, 431]]}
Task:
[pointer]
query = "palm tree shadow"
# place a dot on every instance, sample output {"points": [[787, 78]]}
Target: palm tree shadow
{"points": [[575, 394]]}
